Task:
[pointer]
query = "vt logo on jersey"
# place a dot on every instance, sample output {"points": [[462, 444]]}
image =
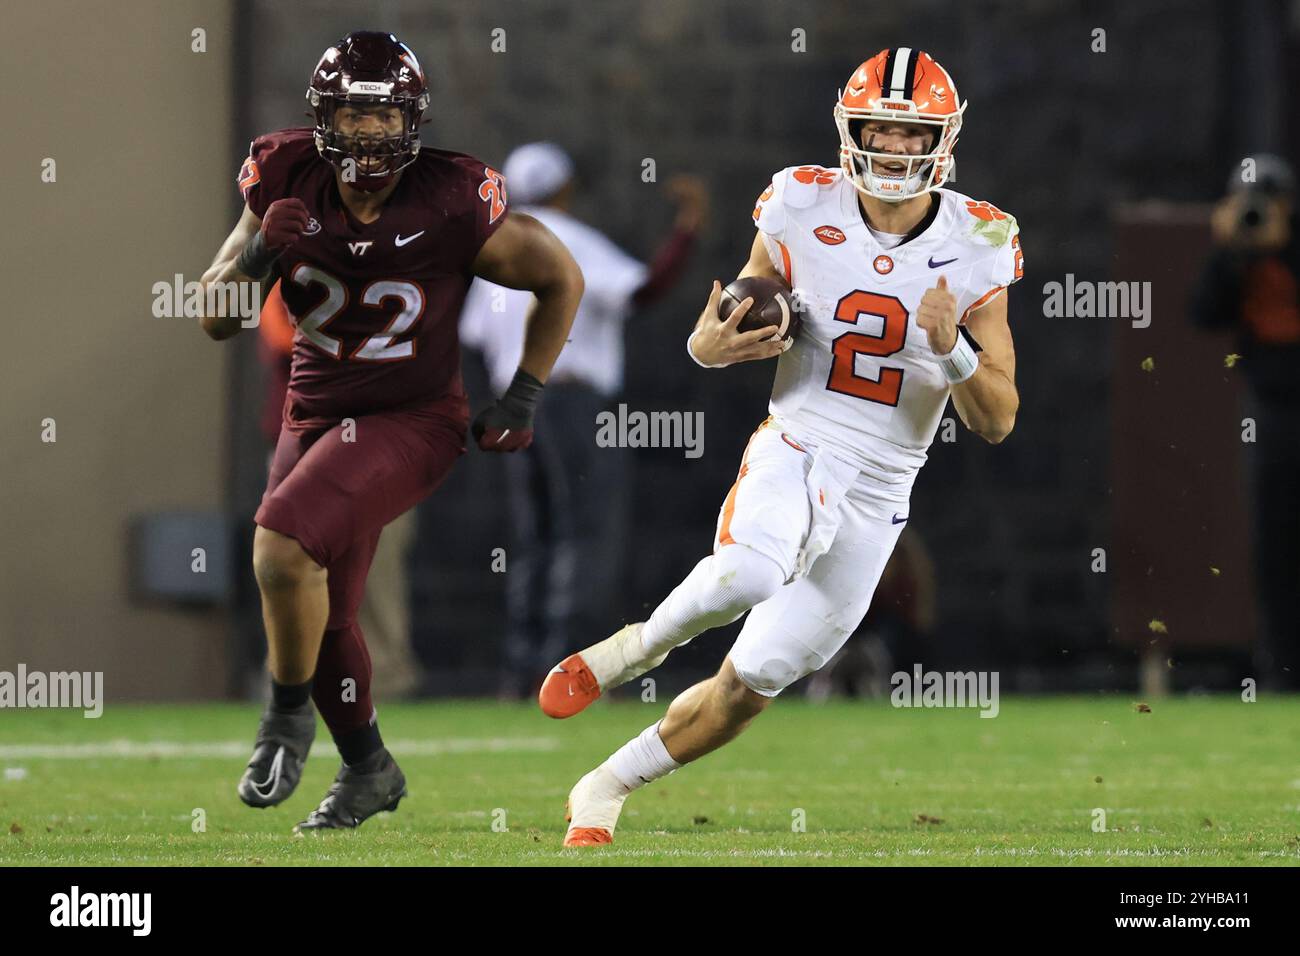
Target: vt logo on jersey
{"points": [[829, 235], [359, 248]]}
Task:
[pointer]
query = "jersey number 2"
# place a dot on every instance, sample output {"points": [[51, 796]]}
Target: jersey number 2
{"points": [[846, 348]]}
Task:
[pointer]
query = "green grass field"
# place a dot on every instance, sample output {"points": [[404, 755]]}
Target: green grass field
{"points": [[1204, 780]]}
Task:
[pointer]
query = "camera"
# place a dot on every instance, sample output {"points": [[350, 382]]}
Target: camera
{"points": [[1254, 211]]}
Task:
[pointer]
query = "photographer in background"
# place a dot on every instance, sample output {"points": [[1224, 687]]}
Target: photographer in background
{"points": [[1250, 284]]}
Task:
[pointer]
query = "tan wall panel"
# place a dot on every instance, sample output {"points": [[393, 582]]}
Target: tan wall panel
{"points": [[139, 126]]}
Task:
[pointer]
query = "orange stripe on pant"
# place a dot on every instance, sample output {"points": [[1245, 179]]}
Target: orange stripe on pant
{"points": [[729, 505], [789, 269]]}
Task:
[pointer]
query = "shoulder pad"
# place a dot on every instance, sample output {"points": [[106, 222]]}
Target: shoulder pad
{"points": [[988, 224], [795, 187], [806, 184], [271, 159]]}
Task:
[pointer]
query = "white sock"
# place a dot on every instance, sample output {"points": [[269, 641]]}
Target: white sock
{"points": [[720, 589], [642, 759]]}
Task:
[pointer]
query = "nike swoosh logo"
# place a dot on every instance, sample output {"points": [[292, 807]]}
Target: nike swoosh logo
{"points": [[896, 519], [267, 786], [399, 241], [935, 265]]}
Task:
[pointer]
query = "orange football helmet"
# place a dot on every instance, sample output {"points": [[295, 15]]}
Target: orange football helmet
{"points": [[900, 85]]}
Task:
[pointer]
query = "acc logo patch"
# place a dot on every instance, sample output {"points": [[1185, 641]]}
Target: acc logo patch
{"points": [[883, 264], [829, 235], [313, 227]]}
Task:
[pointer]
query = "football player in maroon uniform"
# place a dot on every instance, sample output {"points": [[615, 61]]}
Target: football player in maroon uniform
{"points": [[375, 240]]}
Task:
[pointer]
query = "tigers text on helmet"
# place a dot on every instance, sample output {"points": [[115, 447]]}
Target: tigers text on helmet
{"points": [[367, 69], [899, 85]]}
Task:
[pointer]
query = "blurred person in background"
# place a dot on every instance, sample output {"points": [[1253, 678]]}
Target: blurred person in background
{"points": [[385, 612], [566, 496], [1249, 285]]}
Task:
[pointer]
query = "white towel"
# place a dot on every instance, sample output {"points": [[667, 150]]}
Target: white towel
{"points": [[828, 480]]}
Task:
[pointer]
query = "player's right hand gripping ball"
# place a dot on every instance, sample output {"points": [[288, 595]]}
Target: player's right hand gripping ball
{"points": [[773, 306], [507, 425]]}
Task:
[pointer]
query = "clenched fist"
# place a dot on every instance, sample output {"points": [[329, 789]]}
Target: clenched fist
{"points": [[937, 316], [284, 222], [507, 424]]}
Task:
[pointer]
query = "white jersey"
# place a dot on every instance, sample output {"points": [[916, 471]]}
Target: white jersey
{"points": [[860, 378], [493, 317]]}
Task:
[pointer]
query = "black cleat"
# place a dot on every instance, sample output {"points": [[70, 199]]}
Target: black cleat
{"points": [[283, 742], [354, 797]]}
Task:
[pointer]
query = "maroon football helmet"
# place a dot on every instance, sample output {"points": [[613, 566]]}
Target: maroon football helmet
{"points": [[367, 69]]}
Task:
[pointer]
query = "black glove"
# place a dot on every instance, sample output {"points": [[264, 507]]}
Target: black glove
{"points": [[507, 425]]}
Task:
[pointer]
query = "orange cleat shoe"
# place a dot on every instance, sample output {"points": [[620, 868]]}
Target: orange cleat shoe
{"points": [[588, 836], [580, 678], [569, 688]]}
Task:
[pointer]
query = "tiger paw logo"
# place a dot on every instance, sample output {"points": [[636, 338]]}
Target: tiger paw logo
{"points": [[815, 174], [829, 235], [991, 225], [984, 210], [883, 264]]}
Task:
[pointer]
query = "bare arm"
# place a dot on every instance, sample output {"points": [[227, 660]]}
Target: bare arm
{"points": [[223, 270], [760, 263], [988, 401], [715, 342], [524, 254]]}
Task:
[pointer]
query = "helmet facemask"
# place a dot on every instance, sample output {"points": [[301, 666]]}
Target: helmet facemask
{"points": [[919, 174], [367, 162]]}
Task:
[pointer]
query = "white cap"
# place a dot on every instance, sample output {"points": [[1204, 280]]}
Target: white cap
{"points": [[1270, 175], [536, 171]]}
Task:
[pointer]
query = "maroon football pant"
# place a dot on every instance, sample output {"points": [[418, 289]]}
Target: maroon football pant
{"points": [[334, 496]]}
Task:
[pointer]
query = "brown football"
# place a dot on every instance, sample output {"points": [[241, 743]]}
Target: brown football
{"points": [[773, 305]]}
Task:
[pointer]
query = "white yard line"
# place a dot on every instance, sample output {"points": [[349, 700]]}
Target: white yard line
{"points": [[131, 749]]}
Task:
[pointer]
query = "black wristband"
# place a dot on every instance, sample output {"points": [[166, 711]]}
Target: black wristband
{"points": [[256, 260], [522, 395]]}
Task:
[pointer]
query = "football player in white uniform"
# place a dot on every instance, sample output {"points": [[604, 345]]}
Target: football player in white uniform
{"points": [[900, 281]]}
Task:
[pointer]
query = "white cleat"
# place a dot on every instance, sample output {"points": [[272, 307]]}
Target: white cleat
{"points": [[594, 805]]}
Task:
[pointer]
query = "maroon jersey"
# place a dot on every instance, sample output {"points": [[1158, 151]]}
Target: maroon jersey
{"points": [[375, 306]]}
